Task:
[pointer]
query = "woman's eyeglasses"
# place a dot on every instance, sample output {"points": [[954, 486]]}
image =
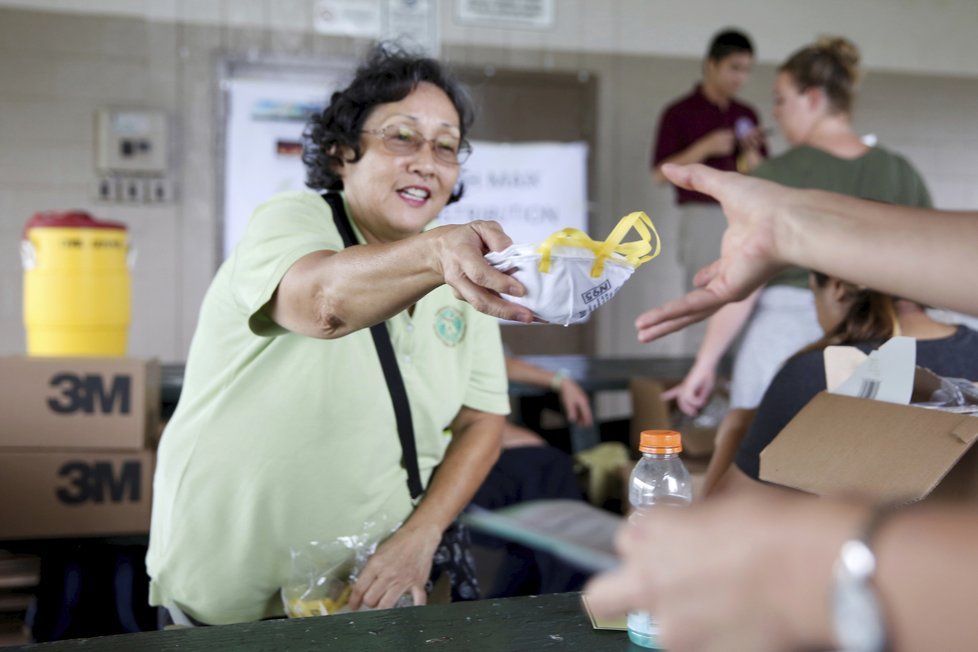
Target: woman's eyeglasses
{"points": [[403, 140]]}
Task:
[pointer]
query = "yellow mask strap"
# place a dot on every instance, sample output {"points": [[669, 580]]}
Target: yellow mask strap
{"points": [[635, 253]]}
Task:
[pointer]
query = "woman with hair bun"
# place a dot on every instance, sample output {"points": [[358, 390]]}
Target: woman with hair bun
{"points": [[814, 95]]}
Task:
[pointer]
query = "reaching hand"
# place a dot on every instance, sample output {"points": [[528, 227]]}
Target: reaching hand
{"points": [[460, 258], [694, 392], [402, 564], [577, 406], [748, 255]]}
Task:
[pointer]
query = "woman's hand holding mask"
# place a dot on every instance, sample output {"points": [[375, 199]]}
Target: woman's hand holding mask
{"points": [[460, 251]]}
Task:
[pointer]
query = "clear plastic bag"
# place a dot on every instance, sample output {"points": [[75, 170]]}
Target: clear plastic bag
{"points": [[954, 392], [323, 573]]}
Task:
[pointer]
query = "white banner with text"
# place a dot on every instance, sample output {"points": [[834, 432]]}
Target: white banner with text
{"points": [[531, 189]]}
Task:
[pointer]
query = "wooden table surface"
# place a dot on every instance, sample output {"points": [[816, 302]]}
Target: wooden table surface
{"points": [[549, 622]]}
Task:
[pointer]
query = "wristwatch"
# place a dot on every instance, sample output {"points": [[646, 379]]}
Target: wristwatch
{"points": [[857, 613]]}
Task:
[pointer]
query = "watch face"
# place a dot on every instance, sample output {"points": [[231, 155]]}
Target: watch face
{"points": [[856, 615]]}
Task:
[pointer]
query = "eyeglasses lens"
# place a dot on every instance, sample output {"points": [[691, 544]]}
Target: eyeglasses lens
{"points": [[403, 141]]}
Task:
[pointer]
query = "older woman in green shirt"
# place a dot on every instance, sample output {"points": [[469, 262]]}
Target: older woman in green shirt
{"points": [[285, 432]]}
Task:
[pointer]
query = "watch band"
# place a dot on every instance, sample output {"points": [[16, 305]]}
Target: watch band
{"points": [[857, 612]]}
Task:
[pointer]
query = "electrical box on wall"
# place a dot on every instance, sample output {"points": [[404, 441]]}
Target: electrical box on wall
{"points": [[131, 140]]}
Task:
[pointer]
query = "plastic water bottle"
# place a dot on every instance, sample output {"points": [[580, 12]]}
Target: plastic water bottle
{"points": [[660, 479]]}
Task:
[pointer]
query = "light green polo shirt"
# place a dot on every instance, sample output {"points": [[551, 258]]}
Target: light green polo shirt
{"points": [[281, 439]]}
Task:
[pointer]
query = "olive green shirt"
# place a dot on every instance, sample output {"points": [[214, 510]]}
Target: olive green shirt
{"points": [[878, 174]]}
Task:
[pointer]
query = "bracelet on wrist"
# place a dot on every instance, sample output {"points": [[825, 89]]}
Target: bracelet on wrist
{"points": [[557, 380]]}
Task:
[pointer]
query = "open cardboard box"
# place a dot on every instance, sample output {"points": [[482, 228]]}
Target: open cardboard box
{"points": [[842, 445], [650, 412]]}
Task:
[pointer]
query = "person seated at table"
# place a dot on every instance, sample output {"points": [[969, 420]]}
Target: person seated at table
{"points": [[539, 413], [855, 316], [529, 468], [573, 400]]}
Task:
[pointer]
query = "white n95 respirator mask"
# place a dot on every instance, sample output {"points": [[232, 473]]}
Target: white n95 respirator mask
{"points": [[569, 275]]}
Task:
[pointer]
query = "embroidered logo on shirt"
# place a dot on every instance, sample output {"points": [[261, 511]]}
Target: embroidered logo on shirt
{"points": [[450, 325]]}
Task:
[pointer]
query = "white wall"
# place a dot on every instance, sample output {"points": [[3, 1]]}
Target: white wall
{"points": [[922, 36], [928, 36], [57, 68]]}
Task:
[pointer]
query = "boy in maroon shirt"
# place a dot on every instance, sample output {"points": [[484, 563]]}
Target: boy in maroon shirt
{"points": [[710, 126]]}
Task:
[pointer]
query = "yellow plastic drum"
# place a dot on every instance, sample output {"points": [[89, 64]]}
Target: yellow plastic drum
{"points": [[76, 285]]}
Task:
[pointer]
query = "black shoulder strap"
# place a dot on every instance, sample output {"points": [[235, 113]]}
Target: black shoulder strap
{"points": [[388, 361]]}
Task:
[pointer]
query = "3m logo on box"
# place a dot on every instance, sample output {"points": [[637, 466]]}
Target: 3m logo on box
{"points": [[91, 483], [79, 403], [74, 493], [88, 392]]}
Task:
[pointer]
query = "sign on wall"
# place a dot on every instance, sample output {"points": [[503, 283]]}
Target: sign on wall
{"points": [[534, 14], [263, 145], [531, 189], [413, 24], [358, 18]]}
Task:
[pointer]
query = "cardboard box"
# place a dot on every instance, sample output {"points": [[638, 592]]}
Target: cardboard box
{"points": [[104, 403], [840, 445], [52, 493], [650, 412]]}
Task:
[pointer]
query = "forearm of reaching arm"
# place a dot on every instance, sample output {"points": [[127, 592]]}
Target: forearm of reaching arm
{"points": [[920, 254], [329, 294]]}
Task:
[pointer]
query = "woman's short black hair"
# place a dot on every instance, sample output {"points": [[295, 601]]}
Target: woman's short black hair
{"points": [[388, 74]]}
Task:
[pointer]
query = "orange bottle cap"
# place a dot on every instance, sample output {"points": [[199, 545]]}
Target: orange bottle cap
{"points": [[660, 442]]}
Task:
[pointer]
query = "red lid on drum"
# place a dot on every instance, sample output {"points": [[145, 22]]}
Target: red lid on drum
{"points": [[68, 220]]}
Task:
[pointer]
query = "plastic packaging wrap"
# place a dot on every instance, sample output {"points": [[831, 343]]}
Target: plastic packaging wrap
{"points": [[323, 572], [954, 393]]}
